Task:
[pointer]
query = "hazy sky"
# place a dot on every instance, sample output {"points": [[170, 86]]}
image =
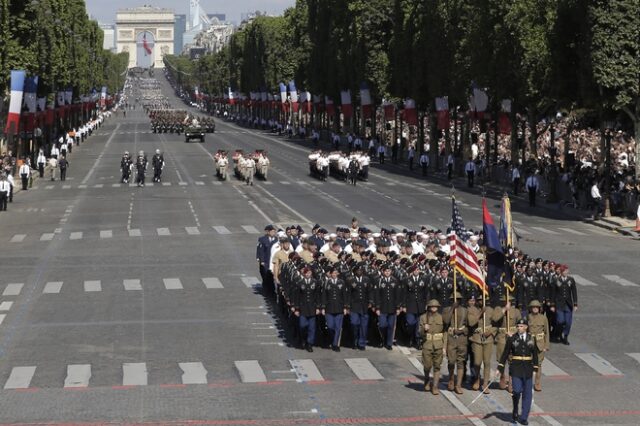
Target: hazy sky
{"points": [[105, 10]]}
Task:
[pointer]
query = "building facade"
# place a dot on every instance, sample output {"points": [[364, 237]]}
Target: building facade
{"points": [[179, 29], [147, 33], [109, 42]]}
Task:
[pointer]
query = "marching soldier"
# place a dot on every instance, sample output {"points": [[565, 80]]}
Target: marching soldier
{"points": [[435, 340], [504, 319], [360, 301], [306, 305], [529, 288], [263, 256], [442, 287], [565, 299], [520, 348], [417, 294], [158, 165], [125, 166], [388, 302], [539, 328], [455, 320], [482, 334], [335, 303], [141, 168]]}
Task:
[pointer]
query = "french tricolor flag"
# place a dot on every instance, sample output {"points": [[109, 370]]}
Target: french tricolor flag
{"points": [[30, 89], [17, 86], [365, 100], [293, 93], [347, 108]]}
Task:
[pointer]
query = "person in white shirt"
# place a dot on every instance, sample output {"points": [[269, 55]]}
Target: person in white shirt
{"points": [[41, 160], [532, 186], [4, 193], [11, 185], [381, 152], [411, 155], [470, 168], [25, 173], [450, 164], [424, 163], [597, 201], [55, 152], [515, 178]]}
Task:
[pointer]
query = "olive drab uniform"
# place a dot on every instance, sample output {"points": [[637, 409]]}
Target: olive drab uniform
{"points": [[456, 323], [482, 334], [505, 329], [539, 328], [435, 339]]}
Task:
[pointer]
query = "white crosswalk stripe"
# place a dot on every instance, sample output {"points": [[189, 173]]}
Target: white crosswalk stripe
{"points": [[222, 230], [193, 373], [166, 183], [306, 370], [77, 376], [99, 185], [132, 285], [20, 377], [106, 234], [6, 306], [75, 236], [583, 281], [2, 317], [92, 286], [363, 369], [250, 229], [572, 231], [47, 236], [18, 238], [212, 282], [618, 280], [134, 374], [13, 289], [199, 183], [250, 281], [599, 364], [550, 369], [163, 231], [192, 230], [172, 283], [545, 230], [635, 356], [135, 233], [250, 371], [52, 287]]}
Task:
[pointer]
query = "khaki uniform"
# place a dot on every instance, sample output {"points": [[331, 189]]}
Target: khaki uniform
{"points": [[482, 334], [380, 256], [499, 319], [457, 344], [280, 258], [539, 329], [331, 256], [306, 255], [356, 257], [434, 340]]}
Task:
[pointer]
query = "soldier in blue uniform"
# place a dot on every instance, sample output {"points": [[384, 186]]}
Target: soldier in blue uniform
{"points": [[521, 350], [263, 256]]}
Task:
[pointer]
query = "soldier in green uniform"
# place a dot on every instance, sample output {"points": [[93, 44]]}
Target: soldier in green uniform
{"points": [[435, 340], [539, 328], [504, 319], [455, 319], [482, 334]]}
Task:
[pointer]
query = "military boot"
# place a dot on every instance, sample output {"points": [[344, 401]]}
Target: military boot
{"points": [[459, 379], [427, 382], [537, 386], [476, 384], [503, 381], [436, 382], [451, 384]]}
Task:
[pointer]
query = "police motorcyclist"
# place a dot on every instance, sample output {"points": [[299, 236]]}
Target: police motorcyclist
{"points": [[125, 167], [141, 167]]}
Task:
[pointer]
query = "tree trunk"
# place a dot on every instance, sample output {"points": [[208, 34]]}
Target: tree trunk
{"points": [[533, 129], [514, 135]]}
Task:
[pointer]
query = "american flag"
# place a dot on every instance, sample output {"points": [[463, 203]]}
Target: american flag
{"points": [[465, 261], [457, 225]]}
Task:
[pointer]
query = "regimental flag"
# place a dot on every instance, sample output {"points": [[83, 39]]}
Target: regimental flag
{"points": [[410, 112], [30, 89], [365, 100], [506, 278], [347, 108], [389, 110], [491, 240], [331, 109], [442, 108], [15, 104], [457, 225], [507, 231], [145, 45], [465, 261], [504, 119], [293, 94]]}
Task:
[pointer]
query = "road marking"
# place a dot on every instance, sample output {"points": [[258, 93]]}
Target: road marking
{"points": [[635, 356], [166, 183], [2, 317], [135, 233], [134, 374], [572, 231], [132, 285], [250, 281], [199, 183], [267, 183], [18, 238], [75, 236], [82, 186], [621, 281], [250, 229], [215, 182], [49, 187], [163, 231], [306, 370], [192, 230], [363, 369], [20, 377], [222, 230], [520, 230], [92, 286], [52, 287], [284, 182], [47, 236], [193, 373], [172, 283], [391, 184], [599, 364], [78, 376], [106, 234], [13, 289], [212, 282], [545, 230], [583, 281], [5, 306], [116, 185], [99, 185], [550, 369], [66, 186], [250, 371], [183, 183]]}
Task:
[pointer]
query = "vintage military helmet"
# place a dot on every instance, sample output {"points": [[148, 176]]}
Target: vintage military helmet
{"points": [[534, 304]]}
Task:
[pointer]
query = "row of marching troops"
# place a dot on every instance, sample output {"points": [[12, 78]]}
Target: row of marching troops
{"points": [[347, 167], [390, 294], [176, 121]]}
